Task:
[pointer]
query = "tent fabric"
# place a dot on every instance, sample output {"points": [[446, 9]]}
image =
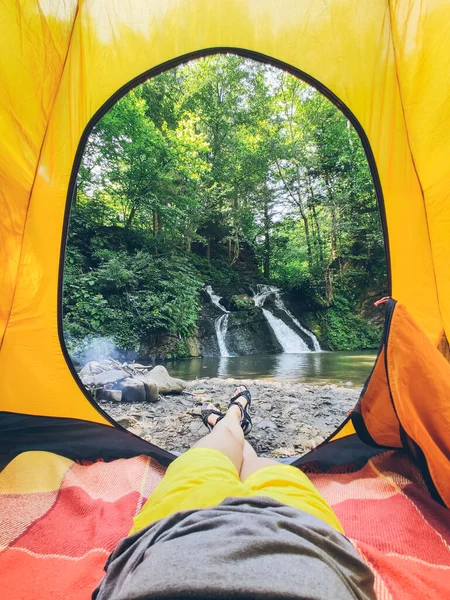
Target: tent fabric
{"points": [[64, 519], [406, 400], [384, 62], [76, 439]]}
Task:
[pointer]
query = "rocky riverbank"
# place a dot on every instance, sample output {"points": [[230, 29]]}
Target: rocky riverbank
{"points": [[289, 418]]}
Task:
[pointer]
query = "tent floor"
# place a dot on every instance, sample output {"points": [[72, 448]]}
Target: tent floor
{"points": [[62, 519]]}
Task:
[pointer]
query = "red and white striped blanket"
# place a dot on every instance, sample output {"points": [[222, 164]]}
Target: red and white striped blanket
{"points": [[60, 520]]}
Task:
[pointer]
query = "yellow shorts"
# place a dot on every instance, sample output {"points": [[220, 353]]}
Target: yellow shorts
{"points": [[202, 477]]}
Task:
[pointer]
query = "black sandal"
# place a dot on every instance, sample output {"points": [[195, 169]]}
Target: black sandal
{"points": [[246, 422], [207, 412]]}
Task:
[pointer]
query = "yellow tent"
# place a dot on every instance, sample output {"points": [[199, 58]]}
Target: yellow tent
{"points": [[63, 64], [385, 63]]}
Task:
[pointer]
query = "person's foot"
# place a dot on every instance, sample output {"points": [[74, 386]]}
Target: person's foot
{"points": [[210, 415], [240, 405]]}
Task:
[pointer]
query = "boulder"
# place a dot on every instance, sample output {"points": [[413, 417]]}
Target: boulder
{"points": [[166, 384], [193, 346], [104, 378], [133, 390], [151, 389], [91, 368], [110, 395]]}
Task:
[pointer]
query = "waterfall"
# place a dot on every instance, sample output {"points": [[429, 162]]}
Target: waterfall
{"points": [[289, 340], [280, 304], [221, 323]]}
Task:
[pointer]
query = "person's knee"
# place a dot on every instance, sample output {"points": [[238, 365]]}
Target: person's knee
{"points": [[251, 465], [230, 429]]}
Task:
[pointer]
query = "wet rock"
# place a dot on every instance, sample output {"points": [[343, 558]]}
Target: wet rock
{"points": [[193, 347]]}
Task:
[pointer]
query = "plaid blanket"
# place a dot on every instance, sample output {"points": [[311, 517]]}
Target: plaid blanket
{"points": [[60, 521]]}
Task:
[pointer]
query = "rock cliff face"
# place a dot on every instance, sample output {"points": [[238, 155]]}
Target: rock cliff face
{"points": [[231, 314], [257, 322], [247, 333]]}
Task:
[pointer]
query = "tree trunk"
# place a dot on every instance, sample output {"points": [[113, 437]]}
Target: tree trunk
{"points": [[208, 250], [130, 218], [266, 268], [155, 231], [319, 236]]}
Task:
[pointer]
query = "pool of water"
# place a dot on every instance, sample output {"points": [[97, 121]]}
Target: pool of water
{"points": [[311, 367]]}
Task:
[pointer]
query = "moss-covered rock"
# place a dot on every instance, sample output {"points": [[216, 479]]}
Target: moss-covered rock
{"points": [[238, 302]]}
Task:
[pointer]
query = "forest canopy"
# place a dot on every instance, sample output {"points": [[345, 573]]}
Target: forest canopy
{"points": [[221, 171]]}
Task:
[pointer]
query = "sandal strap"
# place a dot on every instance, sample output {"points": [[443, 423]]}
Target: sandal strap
{"points": [[207, 412], [241, 408], [245, 393], [246, 420]]}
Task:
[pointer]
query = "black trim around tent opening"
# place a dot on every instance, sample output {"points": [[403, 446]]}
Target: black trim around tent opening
{"points": [[263, 58], [73, 438], [86, 441]]}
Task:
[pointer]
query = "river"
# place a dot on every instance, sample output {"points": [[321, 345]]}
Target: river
{"points": [[312, 367]]}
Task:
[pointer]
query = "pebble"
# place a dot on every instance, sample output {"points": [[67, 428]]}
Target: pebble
{"points": [[267, 424], [127, 421], [284, 425]]}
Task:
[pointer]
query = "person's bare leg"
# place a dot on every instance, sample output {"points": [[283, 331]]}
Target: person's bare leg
{"points": [[252, 462], [227, 436]]}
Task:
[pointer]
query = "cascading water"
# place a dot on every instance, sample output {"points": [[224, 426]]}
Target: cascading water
{"points": [[280, 304], [289, 340], [221, 323]]}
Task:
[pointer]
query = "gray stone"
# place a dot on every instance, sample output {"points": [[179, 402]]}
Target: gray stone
{"points": [[166, 384], [132, 390], [127, 421], [267, 424], [186, 402], [266, 406], [91, 368], [151, 388], [137, 415], [195, 426], [104, 378], [139, 431], [291, 427], [110, 395]]}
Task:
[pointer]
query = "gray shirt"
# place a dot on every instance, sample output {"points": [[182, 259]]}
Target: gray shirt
{"points": [[252, 548]]}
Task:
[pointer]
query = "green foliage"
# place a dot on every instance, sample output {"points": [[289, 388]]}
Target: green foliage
{"points": [[343, 330], [131, 297], [241, 302]]}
